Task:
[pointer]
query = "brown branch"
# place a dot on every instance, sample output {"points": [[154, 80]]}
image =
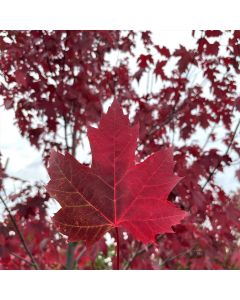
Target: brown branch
{"points": [[75, 262], [139, 252], [143, 250], [80, 255], [18, 179], [136, 254], [23, 242], [21, 258], [70, 255], [148, 82], [169, 118], [208, 137], [6, 164], [74, 140], [175, 256], [175, 110], [65, 133], [219, 161]]}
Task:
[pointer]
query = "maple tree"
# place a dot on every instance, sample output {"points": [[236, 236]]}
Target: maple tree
{"points": [[57, 83]]}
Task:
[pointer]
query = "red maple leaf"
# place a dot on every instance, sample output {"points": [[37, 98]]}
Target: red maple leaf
{"points": [[114, 192], [145, 60], [186, 58]]}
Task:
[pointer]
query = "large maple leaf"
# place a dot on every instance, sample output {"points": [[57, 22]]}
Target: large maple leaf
{"points": [[114, 191]]}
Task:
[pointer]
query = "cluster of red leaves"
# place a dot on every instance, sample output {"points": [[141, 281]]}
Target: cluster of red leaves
{"points": [[57, 82], [29, 209]]}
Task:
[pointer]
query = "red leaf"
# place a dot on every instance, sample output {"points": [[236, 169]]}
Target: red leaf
{"points": [[213, 33], [159, 69], [163, 51], [145, 60], [212, 49], [21, 78], [114, 192], [186, 57]]}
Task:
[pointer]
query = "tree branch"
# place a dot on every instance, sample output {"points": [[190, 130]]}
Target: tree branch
{"points": [[175, 256], [208, 137], [169, 118], [70, 256], [34, 263], [65, 134], [80, 255], [139, 252], [219, 161], [21, 258]]}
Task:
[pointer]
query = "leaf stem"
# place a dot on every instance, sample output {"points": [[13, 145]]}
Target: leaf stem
{"points": [[118, 250]]}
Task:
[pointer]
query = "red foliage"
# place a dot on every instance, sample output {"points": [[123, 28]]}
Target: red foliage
{"points": [[57, 83]]}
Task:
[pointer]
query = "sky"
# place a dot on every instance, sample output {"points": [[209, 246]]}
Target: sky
{"points": [[25, 160]]}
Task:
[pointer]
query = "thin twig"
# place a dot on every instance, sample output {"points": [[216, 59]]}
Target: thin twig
{"points": [[70, 255], [178, 109], [34, 263], [139, 252], [80, 255], [208, 137], [21, 258], [175, 256], [148, 82], [169, 118], [18, 179], [219, 161], [65, 133], [6, 164], [136, 254]]}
